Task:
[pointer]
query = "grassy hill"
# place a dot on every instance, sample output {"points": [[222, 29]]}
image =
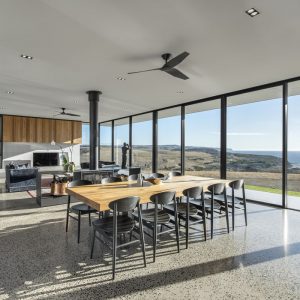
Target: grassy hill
{"points": [[261, 171]]}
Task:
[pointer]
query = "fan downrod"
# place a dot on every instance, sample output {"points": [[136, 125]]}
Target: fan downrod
{"points": [[166, 56]]}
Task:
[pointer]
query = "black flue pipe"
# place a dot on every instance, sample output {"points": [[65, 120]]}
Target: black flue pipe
{"points": [[94, 134]]}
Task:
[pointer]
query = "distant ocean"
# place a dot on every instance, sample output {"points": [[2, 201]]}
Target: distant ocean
{"points": [[293, 156]]}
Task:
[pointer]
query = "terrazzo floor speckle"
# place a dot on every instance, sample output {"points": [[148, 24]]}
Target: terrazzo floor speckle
{"points": [[39, 260]]}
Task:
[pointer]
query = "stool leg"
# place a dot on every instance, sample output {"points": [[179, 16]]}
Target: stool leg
{"points": [[187, 222], [176, 226], [114, 241], [78, 231], [142, 239], [68, 213], [245, 205], [203, 216], [226, 207], [233, 208], [212, 216]]}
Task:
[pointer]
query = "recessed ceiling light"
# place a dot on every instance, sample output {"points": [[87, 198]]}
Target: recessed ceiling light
{"points": [[26, 56], [179, 92], [252, 12], [121, 78], [9, 92]]}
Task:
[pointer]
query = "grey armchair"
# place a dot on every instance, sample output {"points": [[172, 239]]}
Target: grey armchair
{"points": [[18, 180]]}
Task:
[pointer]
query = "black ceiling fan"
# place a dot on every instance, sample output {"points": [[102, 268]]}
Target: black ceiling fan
{"points": [[169, 66], [63, 113]]}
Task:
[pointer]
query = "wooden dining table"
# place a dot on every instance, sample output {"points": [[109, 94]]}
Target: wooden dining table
{"points": [[99, 196]]}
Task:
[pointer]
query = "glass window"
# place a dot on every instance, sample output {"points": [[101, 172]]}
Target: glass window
{"points": [[142, 142], [254, 143], [121, 136], [202, 139], [293, 166], [105, 141], [169, 140], [84, 147]]}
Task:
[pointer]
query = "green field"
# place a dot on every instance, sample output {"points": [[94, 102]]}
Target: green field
{"points": [[270, 190]]}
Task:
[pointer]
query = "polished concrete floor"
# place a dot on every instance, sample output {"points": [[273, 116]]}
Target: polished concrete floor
{"points": [[39, 260]]}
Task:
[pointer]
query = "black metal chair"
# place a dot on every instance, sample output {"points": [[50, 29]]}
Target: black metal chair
{"points": [[110, 180], [156, 216], [78, 209], [234, 203], [174, 174], [212, 205], [157, 175], [112, 227], [189, 212], [235, 186], [133, 177]]}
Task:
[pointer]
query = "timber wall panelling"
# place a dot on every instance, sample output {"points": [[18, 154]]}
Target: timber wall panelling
{"points": [[39, 130]]}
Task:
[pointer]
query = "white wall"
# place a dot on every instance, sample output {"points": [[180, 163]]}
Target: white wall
{"points": [[24, 151]]}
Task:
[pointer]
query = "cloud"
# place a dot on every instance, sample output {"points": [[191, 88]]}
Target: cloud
{"points": [[242, 133], [246, 133]]}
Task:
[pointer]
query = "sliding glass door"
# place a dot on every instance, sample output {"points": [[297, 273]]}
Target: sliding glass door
{"points": [[293, 166], [142, 142], [169, 140], [202, 139], [105, 141], [254, 143], [85, 144], [121, 136]]}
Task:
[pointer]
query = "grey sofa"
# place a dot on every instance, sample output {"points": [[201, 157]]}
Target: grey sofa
{"points": [[18, 180]]}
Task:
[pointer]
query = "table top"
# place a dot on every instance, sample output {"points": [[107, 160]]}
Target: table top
{"points": [[99, 196]]}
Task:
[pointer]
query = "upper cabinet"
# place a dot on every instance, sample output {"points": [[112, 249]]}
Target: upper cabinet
{"points": [[39, 130]]}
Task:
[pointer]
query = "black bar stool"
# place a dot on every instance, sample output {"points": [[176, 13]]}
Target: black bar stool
{"points": [[78, 209]]}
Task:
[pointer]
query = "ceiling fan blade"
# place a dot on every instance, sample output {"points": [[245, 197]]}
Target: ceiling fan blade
{"points": [[156, 69], [176, 73], [72, 115], [177, 60]]}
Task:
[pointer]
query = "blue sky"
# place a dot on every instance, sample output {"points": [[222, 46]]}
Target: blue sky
{"points": [[254, 126]]}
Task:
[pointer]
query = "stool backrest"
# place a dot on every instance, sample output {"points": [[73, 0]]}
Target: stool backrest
{"points": [[217, 188], [163, 198], [111, 180], [194, 192], [124, 204], [236, 184], [79, 183]]}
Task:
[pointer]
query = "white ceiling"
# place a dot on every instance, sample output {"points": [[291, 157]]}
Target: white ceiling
{"points": [[80, 45]]}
